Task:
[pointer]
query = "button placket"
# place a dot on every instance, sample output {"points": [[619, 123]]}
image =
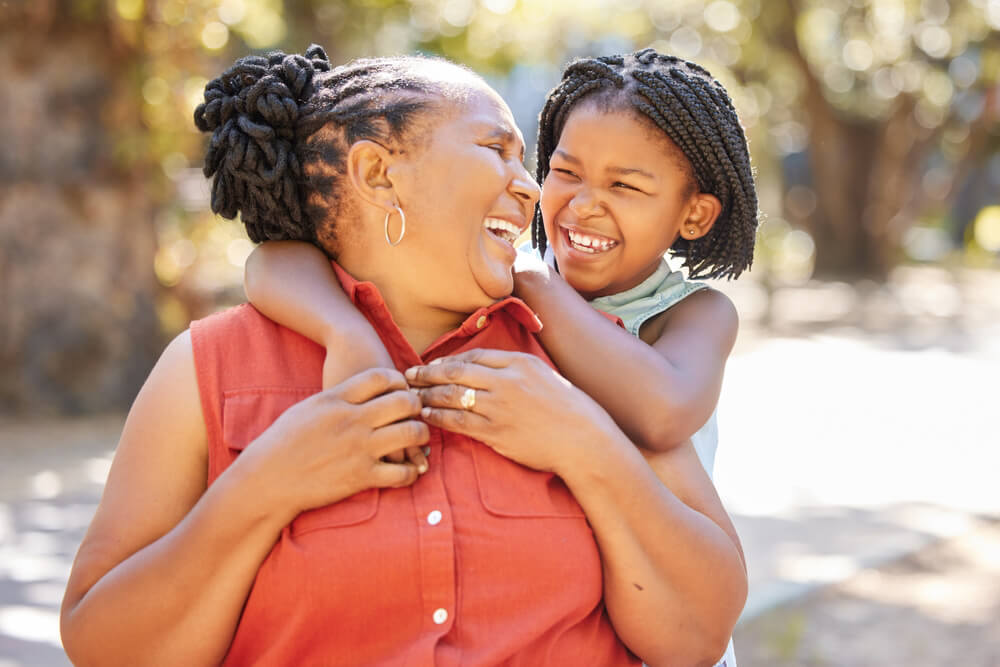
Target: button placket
{"points": [[436, 543]]}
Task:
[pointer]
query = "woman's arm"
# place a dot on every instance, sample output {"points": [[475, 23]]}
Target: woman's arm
{"points": [[293, 283], [674, 576], [163, 572], [673, 381]]}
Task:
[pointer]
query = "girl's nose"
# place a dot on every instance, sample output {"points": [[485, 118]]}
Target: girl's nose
{"points": [[584, 204]]}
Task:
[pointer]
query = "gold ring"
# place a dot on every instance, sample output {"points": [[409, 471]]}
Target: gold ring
{"points": [[468, 400]]}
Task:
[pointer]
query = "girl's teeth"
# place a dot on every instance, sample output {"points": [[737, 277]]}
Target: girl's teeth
{"points": [[590, 244]]}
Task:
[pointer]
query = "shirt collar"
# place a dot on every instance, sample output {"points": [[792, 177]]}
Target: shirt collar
{"points": [[365, 295]]}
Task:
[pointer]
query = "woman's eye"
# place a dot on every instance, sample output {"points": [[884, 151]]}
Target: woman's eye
{"points": [[499, 148], [565, 172]]}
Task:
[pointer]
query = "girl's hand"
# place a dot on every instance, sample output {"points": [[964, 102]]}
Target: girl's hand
{"points": [[518, 406], [331, 445]]}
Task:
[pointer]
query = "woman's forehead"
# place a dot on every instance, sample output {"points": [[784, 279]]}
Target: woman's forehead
{"points": [[484, 111]]}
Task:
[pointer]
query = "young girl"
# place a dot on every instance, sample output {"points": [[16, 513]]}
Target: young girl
{"points": [[639, 156]]}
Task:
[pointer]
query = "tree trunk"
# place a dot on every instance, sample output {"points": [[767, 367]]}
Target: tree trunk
{"points": [[865, 171], [79, 330]]}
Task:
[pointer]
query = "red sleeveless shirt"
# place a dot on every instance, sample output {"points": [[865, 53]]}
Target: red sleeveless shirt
{"points": [[480, 562]]}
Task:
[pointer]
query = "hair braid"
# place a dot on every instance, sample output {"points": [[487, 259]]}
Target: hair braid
{"points": [[280, 129], [690, 107]]}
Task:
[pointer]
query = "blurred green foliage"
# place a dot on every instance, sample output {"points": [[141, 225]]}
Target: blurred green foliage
{"points": [[905, 90]]}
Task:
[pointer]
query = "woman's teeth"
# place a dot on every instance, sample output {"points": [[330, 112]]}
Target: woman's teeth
{"points": [[508, 231], [591, 244]]}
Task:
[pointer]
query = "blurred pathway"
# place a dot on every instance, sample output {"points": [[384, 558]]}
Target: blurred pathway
{"points": [[50, 483]]}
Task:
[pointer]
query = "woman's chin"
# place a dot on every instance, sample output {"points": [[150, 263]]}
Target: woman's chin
{"points": [[499, 285]]}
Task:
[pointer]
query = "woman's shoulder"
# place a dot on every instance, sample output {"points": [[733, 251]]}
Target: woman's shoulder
{"points": [[240, 347], [231, 320]]}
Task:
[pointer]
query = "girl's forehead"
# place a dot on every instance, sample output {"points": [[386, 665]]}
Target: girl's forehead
{"points": [[618, 136]]}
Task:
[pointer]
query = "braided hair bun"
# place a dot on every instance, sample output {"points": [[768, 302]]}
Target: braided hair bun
{"points": [[252, 110]]}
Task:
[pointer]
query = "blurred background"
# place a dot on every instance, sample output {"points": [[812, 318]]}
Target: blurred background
{"points": [[859, 435]]}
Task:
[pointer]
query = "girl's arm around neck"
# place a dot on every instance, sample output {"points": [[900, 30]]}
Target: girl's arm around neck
{"points": [[659, 393], [293, 283]]}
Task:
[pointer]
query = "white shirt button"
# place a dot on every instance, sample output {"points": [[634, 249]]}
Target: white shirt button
{"points": [[440, 616], [434, 518]]}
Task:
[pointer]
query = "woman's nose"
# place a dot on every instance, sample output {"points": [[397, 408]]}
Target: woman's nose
{"points": [[525, 188]]}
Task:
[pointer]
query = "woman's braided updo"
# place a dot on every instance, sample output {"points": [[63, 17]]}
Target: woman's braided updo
{"points": [[695, 112], [281, 126]]}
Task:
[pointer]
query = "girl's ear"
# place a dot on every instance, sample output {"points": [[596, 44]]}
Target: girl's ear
{"points": [[703, 212], [368, 168]]}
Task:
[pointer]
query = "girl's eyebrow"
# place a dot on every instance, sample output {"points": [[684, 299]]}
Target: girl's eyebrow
{"points": [[628, 171], [622, 171]]}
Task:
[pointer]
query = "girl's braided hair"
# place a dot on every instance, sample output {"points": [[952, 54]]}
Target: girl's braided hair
{"points": [[684, 101], [281, 127]]}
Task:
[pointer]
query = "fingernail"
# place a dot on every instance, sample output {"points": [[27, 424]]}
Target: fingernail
{"points": [[414, 390], [422, 468], [411, 373], [425, 412], [436, 361]]}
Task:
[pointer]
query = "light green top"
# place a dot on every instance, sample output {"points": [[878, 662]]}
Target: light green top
{"points": [[662, 290]]}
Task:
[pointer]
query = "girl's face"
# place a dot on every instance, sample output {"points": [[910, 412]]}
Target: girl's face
{"points": [[614, 200]]}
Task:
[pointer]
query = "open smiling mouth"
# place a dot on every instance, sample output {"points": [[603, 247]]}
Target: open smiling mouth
{"points": [[506, 231], [589, 243]]}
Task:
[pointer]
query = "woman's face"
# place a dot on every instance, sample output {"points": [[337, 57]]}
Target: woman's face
{"points": [[467, 197], [613, 201]]}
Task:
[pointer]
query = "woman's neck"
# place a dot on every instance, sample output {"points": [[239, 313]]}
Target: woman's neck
{"points": [[421, 323]]}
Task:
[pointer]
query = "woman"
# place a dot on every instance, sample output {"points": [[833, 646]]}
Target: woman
{"points": [[251, 518]]}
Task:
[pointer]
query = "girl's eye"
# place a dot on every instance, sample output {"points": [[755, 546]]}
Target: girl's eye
{"points": [[499, 148], [565, 172], [626, 186]]}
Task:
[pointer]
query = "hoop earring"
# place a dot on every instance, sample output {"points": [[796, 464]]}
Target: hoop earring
{"points": [[402, 232]]}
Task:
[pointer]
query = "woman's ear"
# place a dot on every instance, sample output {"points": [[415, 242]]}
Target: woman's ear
{"points": [[703, 212], [368, 166]]}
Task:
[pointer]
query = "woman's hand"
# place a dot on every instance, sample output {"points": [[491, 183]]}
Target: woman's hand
{"points": [[331, 445], [367, 352], [517, 405]]}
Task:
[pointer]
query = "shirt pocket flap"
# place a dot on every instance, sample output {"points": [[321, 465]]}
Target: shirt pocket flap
{"points": [[509, 489], [247, 414]]}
